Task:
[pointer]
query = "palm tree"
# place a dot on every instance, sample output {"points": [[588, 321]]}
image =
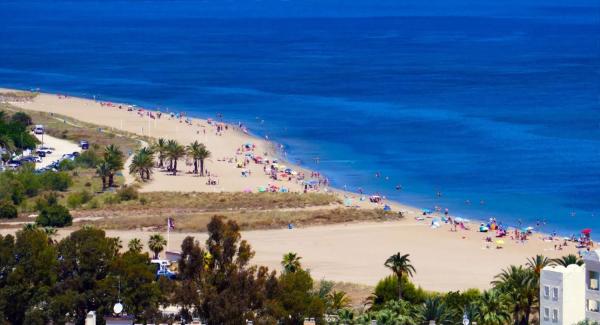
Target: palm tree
{"points": [[198, 152], [337, 300], [400, 265], [160, 147], [114, 158], [156, 243], [174, 152], [537, 263], [435, 310], [135, 245], [291, 262], [568, 260], [142, 163], [522, 288], [493, 309], [103, 170]]}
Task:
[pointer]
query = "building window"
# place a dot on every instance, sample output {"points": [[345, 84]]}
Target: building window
{"points": [[594, 278], [546, 313], [593, 305], [555, 315], [546, 292], [555, 294]]}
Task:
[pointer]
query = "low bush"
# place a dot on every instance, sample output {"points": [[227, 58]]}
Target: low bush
{"points": [[77, 199], [127, 193], [8, 210], [66, 165], [54, 215], [59, 181]]}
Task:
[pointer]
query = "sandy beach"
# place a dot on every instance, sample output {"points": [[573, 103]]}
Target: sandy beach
{"points": [[353, 252]]}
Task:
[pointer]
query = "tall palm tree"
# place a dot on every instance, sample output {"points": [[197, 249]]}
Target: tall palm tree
{"points": [[493, 308], [135, 245], [522, 288], [114, 158], [568, 260], [103, 170], [157, 243], [160, 147], [142, 163], [198, 152], [537, 263], [175, 151], [291, 262], [400, 265]]}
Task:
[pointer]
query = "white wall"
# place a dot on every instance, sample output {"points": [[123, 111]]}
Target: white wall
{"points": [[570, 302]]}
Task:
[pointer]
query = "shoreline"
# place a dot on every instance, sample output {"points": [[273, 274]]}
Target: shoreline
{"points": [[440, 253]]}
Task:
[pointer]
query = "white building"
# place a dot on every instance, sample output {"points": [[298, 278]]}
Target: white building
{"points": [[562, 295], [592, 278]]}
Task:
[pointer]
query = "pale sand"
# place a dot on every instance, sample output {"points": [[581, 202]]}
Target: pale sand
{"points": [[356, 252], [347, 252]]}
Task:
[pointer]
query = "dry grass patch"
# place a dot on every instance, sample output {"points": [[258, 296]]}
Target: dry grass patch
{"points": [[187, 221]]}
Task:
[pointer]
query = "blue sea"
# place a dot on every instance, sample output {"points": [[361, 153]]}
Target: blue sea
{"points": [[494, 104]]}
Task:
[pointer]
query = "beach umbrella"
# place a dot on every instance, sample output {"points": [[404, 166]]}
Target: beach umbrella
{"points": [[262, 189], [426, 211], [247, 190], [500, 242], [586, 231]]}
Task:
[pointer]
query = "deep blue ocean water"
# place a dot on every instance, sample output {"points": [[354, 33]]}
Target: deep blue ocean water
{"points": [[480, 101]]}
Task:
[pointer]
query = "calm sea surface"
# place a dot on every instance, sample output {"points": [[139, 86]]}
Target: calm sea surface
{"points": [[499, 106]]}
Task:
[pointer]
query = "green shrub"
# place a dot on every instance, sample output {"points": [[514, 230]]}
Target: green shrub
{"points": [[143, 201], [75, 200], [8, 210], [111, 199], [59, 181], [127, 193], [54, 215], [387, 289], [93, 204], [66, 165], [88, 159]]}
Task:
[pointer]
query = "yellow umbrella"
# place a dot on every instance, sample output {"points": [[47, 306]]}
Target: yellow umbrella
{"points": [[500, 242]]}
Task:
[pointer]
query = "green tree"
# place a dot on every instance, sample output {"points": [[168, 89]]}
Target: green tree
{"points": [[521, 287], [198, 152], [434, 309], [8, 210], [400, 265], [336, 300], [161, 148], [84, 275], [568, 260], [103, 170], [493, 309], [54, 215], [115, 160], [30, 276], [22, 118], [291, 262], [135, 245], [295, 299], [157, 243], [175, 151], [142, 163]]}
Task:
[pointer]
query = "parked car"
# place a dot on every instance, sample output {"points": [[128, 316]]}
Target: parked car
{"points": [[13, 163], [76, 154], [38, 129], [164, 272], [41, 153], [84, 144]]}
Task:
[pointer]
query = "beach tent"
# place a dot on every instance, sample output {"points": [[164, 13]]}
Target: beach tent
{"points": [[426, 211], [387, 208]]}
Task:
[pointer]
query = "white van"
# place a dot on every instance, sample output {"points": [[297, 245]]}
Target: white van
{"points": [[38, 129]]}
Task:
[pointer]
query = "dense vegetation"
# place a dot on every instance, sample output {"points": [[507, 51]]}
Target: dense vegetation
{"points": [[216, 282], [14, 134]]}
